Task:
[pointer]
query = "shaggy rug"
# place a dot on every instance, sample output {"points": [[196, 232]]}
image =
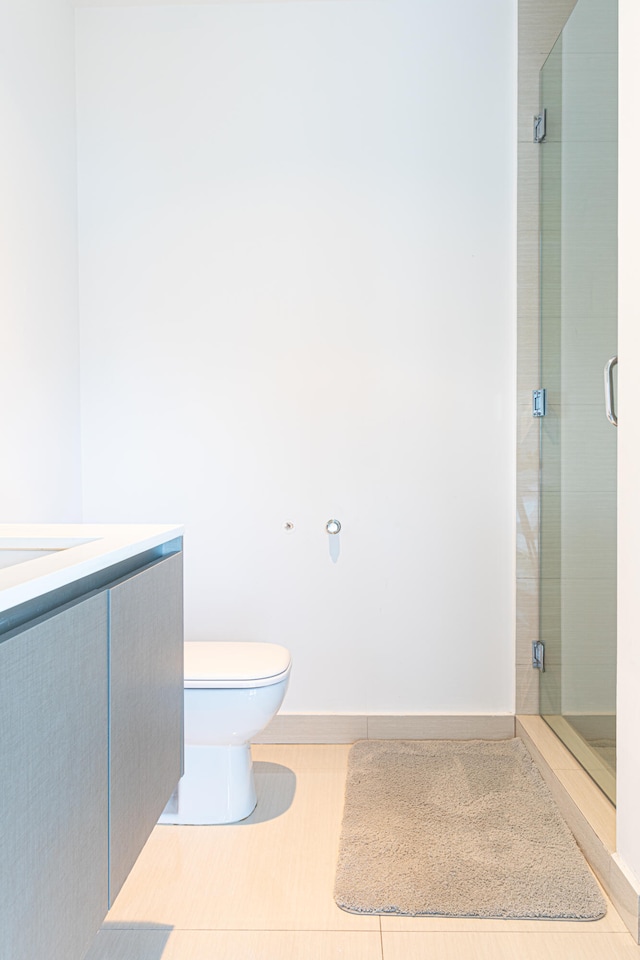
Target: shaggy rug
{"points": [[457, 829]]}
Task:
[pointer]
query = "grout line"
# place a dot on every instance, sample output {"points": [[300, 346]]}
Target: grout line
{"points": [[510, 933], [143, 928], [466, 930], [269, 930]]}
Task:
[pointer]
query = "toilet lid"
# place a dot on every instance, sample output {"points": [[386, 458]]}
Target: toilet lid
{"points": [[219, 664]]}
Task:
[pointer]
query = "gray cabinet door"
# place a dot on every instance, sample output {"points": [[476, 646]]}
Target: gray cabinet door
{"points": [[53, 779], [147, 682]]}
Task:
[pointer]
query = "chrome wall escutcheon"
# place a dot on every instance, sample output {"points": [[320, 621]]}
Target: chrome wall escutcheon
{"points": [[333, 526]]}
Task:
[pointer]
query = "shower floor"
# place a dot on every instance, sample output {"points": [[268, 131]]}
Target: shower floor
{"points": [[592, 741], [600, 734]]}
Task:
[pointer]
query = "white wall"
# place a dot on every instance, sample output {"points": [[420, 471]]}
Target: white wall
{"points": [[39, 382], [628, 768], [297, 297]]}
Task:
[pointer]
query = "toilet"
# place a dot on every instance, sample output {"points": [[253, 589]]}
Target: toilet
{"points": [[231, 692]]}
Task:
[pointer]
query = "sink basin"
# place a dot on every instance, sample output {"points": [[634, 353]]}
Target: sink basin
{"points": [[15, 550], [10, 556]]}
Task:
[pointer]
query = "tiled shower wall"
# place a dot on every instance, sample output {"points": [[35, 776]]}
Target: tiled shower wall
{"points": [[539, 24]]}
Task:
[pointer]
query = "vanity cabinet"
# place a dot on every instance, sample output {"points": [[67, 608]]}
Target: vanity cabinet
{"points": [[53, 777], [146, 707], [91, 700]]}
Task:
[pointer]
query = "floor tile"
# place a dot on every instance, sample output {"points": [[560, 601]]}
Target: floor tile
{"points": [[264, 889], [273, 871], [507, 946], [234, 945]]}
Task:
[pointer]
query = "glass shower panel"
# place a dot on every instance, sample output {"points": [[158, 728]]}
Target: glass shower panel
{"points": [[578, 335]]}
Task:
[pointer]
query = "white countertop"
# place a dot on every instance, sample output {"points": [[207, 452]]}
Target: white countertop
{"points": [[80, 550]]}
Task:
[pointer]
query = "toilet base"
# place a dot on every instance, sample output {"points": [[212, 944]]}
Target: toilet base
{"points": [[217, 786]]}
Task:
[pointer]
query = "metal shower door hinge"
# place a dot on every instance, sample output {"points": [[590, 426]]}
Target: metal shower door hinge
{"points": [[537, 649], [539, 398], [540, 127]]}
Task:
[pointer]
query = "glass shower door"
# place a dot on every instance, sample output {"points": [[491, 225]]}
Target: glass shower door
{"points": [[578, 336]]}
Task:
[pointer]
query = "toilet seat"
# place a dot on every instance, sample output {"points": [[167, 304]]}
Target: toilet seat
{"points": [[234, 665]]}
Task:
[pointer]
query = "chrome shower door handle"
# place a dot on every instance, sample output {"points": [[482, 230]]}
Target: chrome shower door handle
{"points": [[608, 390]]}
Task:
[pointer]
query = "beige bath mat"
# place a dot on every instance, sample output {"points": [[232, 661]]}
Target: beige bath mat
{"points": [[457, 829]]}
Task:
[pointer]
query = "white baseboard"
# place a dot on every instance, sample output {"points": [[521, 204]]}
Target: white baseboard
{"points": [[347, 728]]}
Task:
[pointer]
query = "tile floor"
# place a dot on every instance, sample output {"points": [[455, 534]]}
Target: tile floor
{"points": [[262, 890]]}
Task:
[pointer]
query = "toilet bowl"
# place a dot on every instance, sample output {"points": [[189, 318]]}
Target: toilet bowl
{"points": [[231, 692]]}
